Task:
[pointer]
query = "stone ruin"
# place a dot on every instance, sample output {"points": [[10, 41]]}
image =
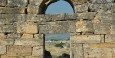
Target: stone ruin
{"points": [[23, 25]]}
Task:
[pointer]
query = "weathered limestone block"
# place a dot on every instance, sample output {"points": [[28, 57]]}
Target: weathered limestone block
{"points": [[33, 56], [100, 7], [2, 49], [19, 50], [112, 29], [75, 2], [113, 8], [2, 36], [87, 38], [86, 15], [70, 16], [81, 8], [35, 2], [97, 52], [27, 36], [110, 38], [32, 9], [31, 42], [38, 40], [13, 36], [5, 56], [55, 17], [101, 1], [16, 10], [6, 21], [37, 51], [27, 27], [56, 27], [101, 45], [3, 2], [17, 3], [102, 28], [7, 28], [84, 26], [76, 51], [6, 41]]}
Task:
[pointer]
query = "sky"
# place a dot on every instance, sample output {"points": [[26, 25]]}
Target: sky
{"points": [[58, 8]]}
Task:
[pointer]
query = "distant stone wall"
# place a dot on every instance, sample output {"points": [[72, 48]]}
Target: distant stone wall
{"points": [[23, 25]]}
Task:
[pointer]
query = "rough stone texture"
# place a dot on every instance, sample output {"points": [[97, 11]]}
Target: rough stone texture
{"points": [[23, 26], [27, 27], [19, 50], [84, 26], [37, 51], [17, 3], [76, 51], [20, 10], [3, 2], [87, 38], [2, 49]]}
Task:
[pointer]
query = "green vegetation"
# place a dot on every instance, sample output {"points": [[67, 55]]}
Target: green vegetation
{"points": [[59, 45]]}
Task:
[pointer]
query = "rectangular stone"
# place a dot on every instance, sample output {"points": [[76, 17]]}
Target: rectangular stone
{"points": [[101, 1], [3, 2], [5, 56], [81, 8], [27, 27], [31, 42], [37, 51], [17, 3], [6, 21], [55, 27], [70, 16], [101, 45], [100, 7], [87, 38], [2, 49], [32, 9], [27, 36], [102, 28], [76, 51], [17, 10], [112, 29], [110, 38], [7, 28], [6, 41], [35, 2], [84, 26], [87, 15], [19, 50], [97, 53]]}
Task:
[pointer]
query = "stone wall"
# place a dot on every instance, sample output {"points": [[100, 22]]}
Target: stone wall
{"points": [[23, 26]]}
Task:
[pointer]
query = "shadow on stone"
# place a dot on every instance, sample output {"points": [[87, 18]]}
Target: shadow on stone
{"points": [[47, 54]]}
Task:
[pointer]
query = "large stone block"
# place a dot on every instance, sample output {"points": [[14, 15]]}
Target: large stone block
{"points": [[110, 38], [76, 51], [6, 21], [6, 41], [7, 28], [86, 15], [16, 10], [76, 2], [56, 27], [2, 49], [38, 40], [27, 36], [37, 51], [100, 7], [17, 3], [70, 16], [84, 26], [19, 50], [101, 1], [27, 27], [32, 9], [3, 2], [113, 8], [5, 56], [81, 8], [102, 28], [35, 2], [97, 53], [87, 38]]}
